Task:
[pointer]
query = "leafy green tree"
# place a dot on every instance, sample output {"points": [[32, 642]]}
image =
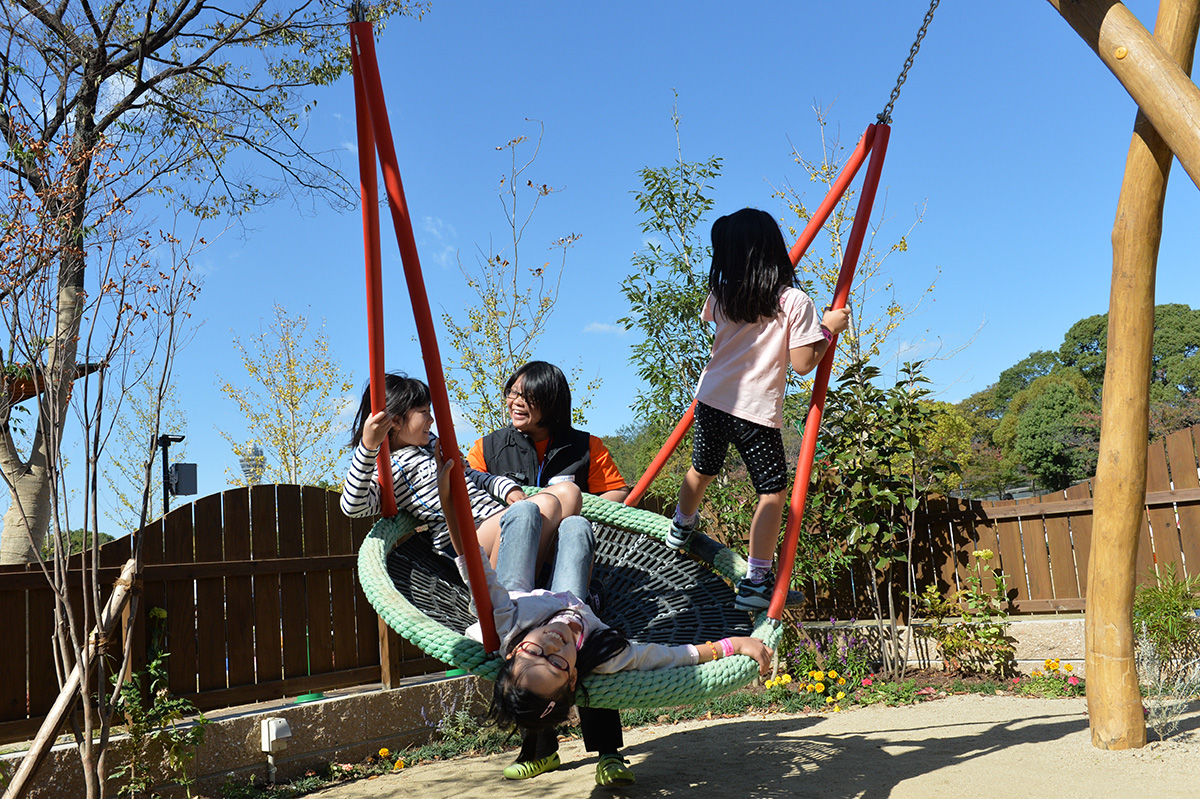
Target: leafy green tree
{"points": [[1005, 434], [1017, 377], [1175, 367], [78, 540], [1047, 435], [292, 403], [502, 330]]}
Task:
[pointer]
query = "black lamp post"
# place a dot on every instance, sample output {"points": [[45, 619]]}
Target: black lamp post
{"points": [[165, 441]]}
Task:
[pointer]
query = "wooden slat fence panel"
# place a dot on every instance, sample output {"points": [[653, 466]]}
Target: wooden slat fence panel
{"points": [[211, 613], [315, 509], [1164, 532], [264, 544], [293, 604], [179, 547], [1080, 526], [1062, 556], [1035, 553], [1182, 453], [239, 590], [342, 588]]}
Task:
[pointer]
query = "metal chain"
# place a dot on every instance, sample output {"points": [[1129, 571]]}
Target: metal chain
{"points": [[885, 116]]}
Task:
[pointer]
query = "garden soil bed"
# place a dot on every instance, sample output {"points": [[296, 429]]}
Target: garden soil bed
{"points": [[958, 746]]}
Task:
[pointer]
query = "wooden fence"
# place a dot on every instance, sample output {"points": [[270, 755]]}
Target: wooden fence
{"points": [[1042, 543], [261, 596]]}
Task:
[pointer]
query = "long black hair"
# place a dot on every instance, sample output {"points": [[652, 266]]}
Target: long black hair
{"points": [[514, 706], [545, 387], [401, 395], [750, 265]]}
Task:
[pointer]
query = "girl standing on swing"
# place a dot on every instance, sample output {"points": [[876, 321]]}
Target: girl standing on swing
{"points": [[763, 324]]}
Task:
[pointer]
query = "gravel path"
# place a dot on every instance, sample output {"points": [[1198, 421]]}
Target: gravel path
{"points": [[957, 747]]}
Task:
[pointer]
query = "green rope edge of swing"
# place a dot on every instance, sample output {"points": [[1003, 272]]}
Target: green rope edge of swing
{"points": [[629, 689]]}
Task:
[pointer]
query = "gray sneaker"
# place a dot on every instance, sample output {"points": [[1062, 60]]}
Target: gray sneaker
{"points": [[754, 597], [679, 536]]}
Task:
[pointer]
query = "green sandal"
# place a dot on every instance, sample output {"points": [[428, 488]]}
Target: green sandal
{"points": [[611, 771], [532, 768]]}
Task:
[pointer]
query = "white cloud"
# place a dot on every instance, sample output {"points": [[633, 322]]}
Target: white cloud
{"points": [[602, 327], [350, 146], [437, 228]]}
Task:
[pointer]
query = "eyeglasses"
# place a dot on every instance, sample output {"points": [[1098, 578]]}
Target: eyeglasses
{"points": [[530, 648], [517, 395]]}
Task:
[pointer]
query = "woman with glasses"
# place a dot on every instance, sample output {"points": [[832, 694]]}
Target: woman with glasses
{"points": [[539, 447]]}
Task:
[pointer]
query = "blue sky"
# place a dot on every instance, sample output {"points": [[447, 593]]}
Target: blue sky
{"points": [[1009, 132]]}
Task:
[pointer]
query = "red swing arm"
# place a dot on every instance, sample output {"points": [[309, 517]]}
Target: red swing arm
{"points": [[375, 136]]}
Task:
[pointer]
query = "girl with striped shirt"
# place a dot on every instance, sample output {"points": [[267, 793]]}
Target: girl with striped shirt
{"points": [[496, 502]]}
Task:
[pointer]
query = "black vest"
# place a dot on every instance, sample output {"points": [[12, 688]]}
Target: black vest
{"points": [[510, 453]]}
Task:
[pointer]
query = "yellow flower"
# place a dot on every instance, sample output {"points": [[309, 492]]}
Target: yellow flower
{"points": [[1068, 667], [841, 680], [841, 695], [837, 708], [829, 700], [384, 752], [819, 687], [832, 674], [983, 554], [808, 687], [399, 765], [787, 678], [818, 676], [1037, 672]]}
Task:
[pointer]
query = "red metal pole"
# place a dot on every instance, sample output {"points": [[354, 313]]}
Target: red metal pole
{"points": [[369, 191], [363, 53], [796, 253], [812, 425]]}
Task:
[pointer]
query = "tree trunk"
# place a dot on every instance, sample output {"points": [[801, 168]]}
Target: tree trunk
{"points": [[1147, 68], [1114, 699]]}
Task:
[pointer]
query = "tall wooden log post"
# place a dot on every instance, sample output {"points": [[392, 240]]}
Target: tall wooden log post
{"points": [[1114, 700], [1153, 78]]}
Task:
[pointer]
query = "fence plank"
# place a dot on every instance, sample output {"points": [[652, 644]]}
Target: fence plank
{"points": [[1163, 530], [239, 590], [291, 586], [366, 620], [43, 677], [341, 587], [316, 583], [984, 537], [264, 543], [1062, 557], [1012, 560], [13, 678], [1037, 556], [1081, 535], [211, 613], [942, 545], [179, 547], [1181, 451]]}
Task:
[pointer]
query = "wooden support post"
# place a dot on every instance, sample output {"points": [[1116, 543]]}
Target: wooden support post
{"points": [[1155, 80], [21, 780], [389, 656], [1114, 699]]}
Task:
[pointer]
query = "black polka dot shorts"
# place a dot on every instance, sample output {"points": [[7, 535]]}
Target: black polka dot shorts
{"points": [[760, 447]]}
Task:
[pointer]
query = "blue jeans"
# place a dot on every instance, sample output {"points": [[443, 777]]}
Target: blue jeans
{"points": [[520, 533], [516, 561]]}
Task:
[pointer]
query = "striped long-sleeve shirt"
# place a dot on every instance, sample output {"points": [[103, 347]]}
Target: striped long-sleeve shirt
{"points": [[414, 478]]}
